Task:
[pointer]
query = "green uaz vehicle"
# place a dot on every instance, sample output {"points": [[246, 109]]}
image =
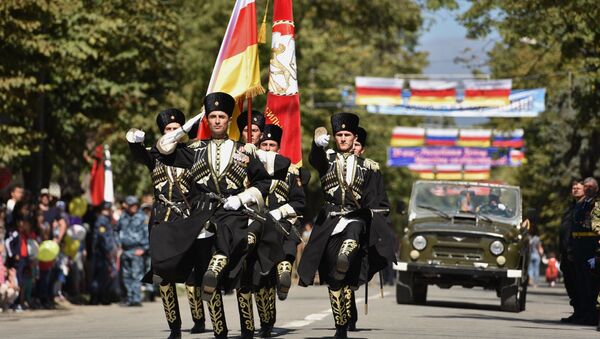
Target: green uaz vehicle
{"points": [[464, 234]]}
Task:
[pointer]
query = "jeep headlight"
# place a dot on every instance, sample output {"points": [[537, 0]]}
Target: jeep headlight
{"points": [[497, 247], [419, 242]]}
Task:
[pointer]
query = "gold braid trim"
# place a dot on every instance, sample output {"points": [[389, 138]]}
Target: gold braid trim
{"points": [[348, 246], [284, 266], [262, 304], [338, 307], [215, 309], [271, 304], [246, 313], [195, 300], [167, 294], [348, 296]]}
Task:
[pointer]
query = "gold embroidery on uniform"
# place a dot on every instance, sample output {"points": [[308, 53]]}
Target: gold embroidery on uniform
{"points": [[215, 309], [262, 304], [195, 300], [167, 294], [338, 307], [348, 246], [348, 297], [245, 305]]}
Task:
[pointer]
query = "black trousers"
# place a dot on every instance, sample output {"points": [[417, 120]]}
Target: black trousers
{"points": [[567, 267], [327, 267], [586, 289]]}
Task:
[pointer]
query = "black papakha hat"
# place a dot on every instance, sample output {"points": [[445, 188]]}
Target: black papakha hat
{"points": [[168, 116], [361, 136], [257, 117], [219, 101], [272, 132], [344, 122]]}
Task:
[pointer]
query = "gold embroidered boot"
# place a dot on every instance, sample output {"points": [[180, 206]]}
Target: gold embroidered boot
{"points": [[194, 295], [340, 315], [244, 301], [265, 303], [351, 308], [211, 277], [217, 315], [251, 241], [168, 294], [284, 279], [344, 258]]}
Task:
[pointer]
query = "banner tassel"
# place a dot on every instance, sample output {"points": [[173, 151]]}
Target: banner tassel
{"points": [[262, 32]]}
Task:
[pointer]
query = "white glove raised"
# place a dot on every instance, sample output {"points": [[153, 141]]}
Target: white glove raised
{"points": [[135, 136], [276, 214], [166, 145], [233, 203], [322, 140]]}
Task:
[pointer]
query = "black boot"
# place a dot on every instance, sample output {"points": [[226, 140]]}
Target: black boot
{"points": [[341, 333], [168, 295], [344, 258], [284, 279], [175, 334], [217, 315], [244, 301], [211, 277], [194, 295], [265, 331]]}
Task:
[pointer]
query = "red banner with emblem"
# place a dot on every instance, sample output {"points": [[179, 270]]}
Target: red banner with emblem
{"points": [[283, 102]]}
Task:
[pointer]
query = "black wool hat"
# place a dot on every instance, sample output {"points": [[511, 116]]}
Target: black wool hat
{"points": [[344, 122], [361, 136], [219, 101], [272, 132], [168, 116], [257, 117]]}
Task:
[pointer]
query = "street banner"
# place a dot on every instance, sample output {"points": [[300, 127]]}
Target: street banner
{"points": [[462, 156], [487, 93], [236, 69], [418, 136], [432, 92], [451, 172], [283, 101], [378, 91], [522, 103]]}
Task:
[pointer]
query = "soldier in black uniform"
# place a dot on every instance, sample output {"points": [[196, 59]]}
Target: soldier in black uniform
{"points": [[230, 177], [584, 243], [339, 239], [566, 258], [381, 237], [264, 249], [174, 194]]}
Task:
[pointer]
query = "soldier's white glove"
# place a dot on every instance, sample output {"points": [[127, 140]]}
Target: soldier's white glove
{"points": [[233, 203], [276, 214], [592, 262], [166, 145], [135, 136], [322, 140]]}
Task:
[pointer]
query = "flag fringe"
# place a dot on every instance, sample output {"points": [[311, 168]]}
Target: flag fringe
{"points": [[254, 91], [262, 32]]}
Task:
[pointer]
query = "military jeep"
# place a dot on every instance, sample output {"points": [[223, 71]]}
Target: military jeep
{"points": [[464, 234]]}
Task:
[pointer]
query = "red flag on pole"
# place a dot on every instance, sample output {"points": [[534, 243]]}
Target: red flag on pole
{"points": [[283, 102]]}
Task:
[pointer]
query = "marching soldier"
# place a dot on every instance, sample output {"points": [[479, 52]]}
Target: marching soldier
{"points": [[338, 241], [381, 237], [595, 222], [174, 194], [229, 178], [264, 243]]}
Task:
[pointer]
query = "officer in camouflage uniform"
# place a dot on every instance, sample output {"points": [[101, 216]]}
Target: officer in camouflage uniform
{"points": [[133, 236], [339, 239], [174, 195], [104, 251]]}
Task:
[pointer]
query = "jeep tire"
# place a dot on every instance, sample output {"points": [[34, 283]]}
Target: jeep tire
{"points": [[512, 295], [409, 292]]}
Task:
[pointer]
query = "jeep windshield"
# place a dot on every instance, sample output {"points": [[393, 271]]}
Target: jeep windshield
{"points": [[447, 199]]}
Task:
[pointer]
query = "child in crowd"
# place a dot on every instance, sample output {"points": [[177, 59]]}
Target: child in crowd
{"points": [[552, 270]]}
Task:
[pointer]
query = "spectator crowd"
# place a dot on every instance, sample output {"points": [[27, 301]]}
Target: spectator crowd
{"points": [[53, 250]]}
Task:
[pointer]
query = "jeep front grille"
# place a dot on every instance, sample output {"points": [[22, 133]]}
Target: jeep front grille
{"points": [[472, 254]]}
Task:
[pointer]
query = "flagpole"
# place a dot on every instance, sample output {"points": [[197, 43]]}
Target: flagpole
{"points": [[249, 122]]}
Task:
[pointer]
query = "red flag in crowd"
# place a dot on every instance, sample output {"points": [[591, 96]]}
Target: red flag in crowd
{"points": [[97, 177]]}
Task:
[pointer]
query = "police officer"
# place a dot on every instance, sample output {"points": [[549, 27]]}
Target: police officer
{"points": [[338, 241], [104, 252], [566, 258], [133, 235], [584, 243]]}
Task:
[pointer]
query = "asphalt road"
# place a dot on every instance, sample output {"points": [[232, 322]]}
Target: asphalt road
{"points": [[454, 313]]}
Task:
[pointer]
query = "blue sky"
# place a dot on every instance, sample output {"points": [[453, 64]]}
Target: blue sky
{"points": [[445, 39]]}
